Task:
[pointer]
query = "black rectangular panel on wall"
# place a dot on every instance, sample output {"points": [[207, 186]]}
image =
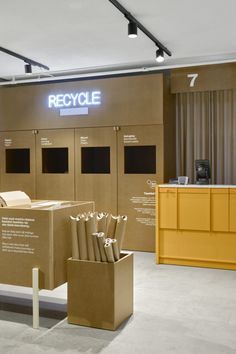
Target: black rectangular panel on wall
{"points": [[95, 159], [140, 159], [55, 164], [96, 167], [55, 160], [17, 160]]}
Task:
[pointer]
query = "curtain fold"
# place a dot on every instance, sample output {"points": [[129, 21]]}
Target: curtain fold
{"points": [[206, 129]]}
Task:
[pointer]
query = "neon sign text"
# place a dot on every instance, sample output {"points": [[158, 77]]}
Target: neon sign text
{"points": [[84, 98]]}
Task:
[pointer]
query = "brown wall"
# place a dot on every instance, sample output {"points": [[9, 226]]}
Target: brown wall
{"points": [[139, 105], [133, 100], [169, 139]]}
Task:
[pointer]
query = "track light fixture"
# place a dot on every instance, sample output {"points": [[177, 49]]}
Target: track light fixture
{"points": [[29, 62], [133, 21], [132, 29], [28, 69], [160, 56]]}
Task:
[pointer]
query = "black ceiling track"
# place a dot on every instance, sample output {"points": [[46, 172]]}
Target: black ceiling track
{"points": [[130, 17], [25, 59]]}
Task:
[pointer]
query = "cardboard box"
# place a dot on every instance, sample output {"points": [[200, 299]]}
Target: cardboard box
{"points": [[100, 294], [37, 236]]}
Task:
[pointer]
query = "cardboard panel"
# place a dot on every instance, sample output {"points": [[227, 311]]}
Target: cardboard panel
{"points": [[188, 245], [168, 208], [96, 167], [204, 78], [220, 209], [136, 191], [18, 162], [26, 242], [37, 237], [194, 209], [55, 174], [232, 210], [128, 100], [226, 245]]}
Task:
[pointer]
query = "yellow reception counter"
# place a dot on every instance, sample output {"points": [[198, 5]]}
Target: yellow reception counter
{"points": [[196, 225]]}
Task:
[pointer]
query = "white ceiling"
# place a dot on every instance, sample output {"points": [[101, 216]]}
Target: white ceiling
{"points": [[91, 35]]}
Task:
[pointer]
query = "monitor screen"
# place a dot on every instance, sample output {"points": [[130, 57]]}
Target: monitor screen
{"points": [[55, 160], [95, 159], [17, 160], [140, 159]]}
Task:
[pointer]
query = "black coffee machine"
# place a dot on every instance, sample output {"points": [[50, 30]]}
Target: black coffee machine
{"points": [[203, 171]]}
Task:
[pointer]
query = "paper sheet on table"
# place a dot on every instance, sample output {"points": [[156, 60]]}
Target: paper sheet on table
{"points": [[14, 198]]}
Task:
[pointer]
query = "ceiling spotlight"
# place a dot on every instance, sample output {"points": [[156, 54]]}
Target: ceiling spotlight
{"points": [[159, 56], [28, 69], [132, 30]]}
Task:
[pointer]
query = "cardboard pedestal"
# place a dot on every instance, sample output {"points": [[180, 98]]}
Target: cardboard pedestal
{"points": [[100, 294], [37, 236]]}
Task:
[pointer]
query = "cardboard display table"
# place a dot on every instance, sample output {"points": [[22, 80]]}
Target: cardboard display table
{"points": [[37, 237], [35, 244]]}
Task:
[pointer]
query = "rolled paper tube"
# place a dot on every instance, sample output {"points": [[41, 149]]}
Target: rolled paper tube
{"points": [[101, 219], [90, 226], [108, 218], [120, 231], [98, 257], [111, 229], [109, 252], [115, 249], [108, 240], [101, 243], [74, 238], [82, 239], [94, 215]]}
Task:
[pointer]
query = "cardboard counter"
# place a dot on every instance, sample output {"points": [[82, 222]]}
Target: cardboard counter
{"points": [[100, 294], [37, 236], [196, 225]]}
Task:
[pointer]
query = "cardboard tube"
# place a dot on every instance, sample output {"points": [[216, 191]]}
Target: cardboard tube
{"points": [[108, 218], [74, 238], [96, 247], [82, 239], [102, 220], [115, 249], [90, 226], [95, 216], [111, 228], [120, 231], [109, 252], [101, 243]]}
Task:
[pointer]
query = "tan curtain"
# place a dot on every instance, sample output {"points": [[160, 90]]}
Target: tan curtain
{"points": [[206, 129]]}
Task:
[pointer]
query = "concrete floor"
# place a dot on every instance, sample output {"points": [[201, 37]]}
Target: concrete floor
{"points": [[177, 310]]}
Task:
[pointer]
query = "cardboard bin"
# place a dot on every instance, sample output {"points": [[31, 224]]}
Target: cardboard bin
{"points": [[100, 294]]}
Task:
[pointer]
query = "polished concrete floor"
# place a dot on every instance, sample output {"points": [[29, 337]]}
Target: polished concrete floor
{"points": [[178, 310]]}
